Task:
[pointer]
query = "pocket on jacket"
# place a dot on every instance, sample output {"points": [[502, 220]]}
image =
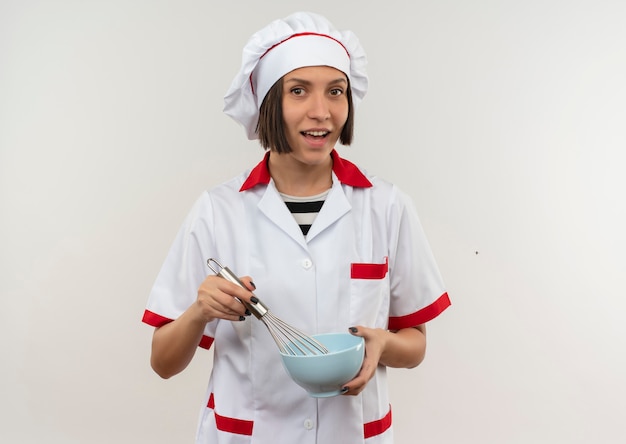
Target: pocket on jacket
{"points": [[369, 271], [369, 290]]}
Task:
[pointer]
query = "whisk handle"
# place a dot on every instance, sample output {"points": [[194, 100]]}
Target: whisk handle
{"points": [[258, 310]]}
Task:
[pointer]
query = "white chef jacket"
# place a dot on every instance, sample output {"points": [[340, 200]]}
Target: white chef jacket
{"points": [[365, 261]]}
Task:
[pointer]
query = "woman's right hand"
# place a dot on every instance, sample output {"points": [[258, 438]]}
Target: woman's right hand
{"points": [[174, 344], [221, 299]]}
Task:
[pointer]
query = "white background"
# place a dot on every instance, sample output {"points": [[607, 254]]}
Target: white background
{"points": [[505, 120]]}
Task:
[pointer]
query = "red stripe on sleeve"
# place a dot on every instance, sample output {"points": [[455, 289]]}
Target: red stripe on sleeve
{"points": [[422, 316], [206, 342], [154, 319]]}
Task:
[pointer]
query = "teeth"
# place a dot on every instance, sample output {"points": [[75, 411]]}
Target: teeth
{"points": [[316, 133]]}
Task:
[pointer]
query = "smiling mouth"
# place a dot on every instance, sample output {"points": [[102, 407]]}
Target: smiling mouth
{"points": [[315, 133]]}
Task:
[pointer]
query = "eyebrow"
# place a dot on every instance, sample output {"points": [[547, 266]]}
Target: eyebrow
{"points": [[340, 80]]}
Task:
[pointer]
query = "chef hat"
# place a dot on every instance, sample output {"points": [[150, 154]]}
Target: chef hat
{"points": [[302, 39]]}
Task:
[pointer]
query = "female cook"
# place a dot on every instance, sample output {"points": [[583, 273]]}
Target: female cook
{"points": [[330, 249]]}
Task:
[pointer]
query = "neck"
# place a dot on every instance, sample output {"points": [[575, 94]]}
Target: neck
{"points": [[298, 178]]}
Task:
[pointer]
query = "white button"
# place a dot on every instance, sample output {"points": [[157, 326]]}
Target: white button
{"points": [[307, 263], [308, 424]]}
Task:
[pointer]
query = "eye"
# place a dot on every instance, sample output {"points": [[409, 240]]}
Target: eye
{"points": [[336, 92], [297, 91]]}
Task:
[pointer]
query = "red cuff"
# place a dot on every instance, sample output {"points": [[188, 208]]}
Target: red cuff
{"points": [[421, 316], [156, 320]]}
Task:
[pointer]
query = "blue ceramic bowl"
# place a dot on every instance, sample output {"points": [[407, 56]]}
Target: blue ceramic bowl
{"points": [[323, 376]]}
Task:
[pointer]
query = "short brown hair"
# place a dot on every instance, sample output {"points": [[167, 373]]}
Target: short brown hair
{"points": [[271, 126]]}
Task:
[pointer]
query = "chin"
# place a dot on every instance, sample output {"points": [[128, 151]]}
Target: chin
{"points": [[315, 156]]}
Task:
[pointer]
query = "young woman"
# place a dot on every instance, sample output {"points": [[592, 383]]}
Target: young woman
{"points": [[326, 246]]}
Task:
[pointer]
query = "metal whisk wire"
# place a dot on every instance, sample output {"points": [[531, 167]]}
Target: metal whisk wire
{"points": [[290, 340]]}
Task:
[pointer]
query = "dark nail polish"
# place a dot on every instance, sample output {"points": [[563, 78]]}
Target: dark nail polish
{"points": [[345, 389], [242, 318], [253, 286], [248, 313], [254, 300], [354, 329]]}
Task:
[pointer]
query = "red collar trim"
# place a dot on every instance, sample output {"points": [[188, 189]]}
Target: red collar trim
{"points": [[347, 173], [260, 174]]}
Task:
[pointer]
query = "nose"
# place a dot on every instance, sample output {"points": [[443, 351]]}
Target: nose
{"points": [[319, 108]]}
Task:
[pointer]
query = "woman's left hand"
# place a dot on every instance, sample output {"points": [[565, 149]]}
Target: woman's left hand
{"points": [[374, 347], [403, 348]]}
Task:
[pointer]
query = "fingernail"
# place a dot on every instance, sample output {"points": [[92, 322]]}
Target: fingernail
{"points": [[242, 318], [345, 389], [354, 329], [254, 300], [248, 313], [253, 286]]}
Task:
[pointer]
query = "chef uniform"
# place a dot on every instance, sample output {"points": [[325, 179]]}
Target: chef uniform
{"points": [[365, 261]]}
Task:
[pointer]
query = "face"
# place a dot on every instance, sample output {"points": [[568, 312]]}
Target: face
{"points": [[315, 109]]}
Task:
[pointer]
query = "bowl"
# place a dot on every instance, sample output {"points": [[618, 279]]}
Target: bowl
{"points": [[323, 376]]}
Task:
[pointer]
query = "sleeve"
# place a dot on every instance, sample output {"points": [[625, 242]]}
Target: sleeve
{"points": [[418, 294], [183, 270]]}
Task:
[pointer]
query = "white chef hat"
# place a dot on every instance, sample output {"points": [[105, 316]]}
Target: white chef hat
{"points": [[302, 39]]}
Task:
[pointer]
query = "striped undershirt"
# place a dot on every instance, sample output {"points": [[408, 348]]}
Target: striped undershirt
{"points": [[305, 209]]}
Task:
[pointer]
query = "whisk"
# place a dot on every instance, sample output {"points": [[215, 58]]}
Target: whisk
{"points": [[289, 339]]}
